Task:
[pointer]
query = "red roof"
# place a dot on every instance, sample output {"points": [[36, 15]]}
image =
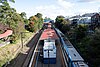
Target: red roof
{"points": [[48, 33], [7, 33]]}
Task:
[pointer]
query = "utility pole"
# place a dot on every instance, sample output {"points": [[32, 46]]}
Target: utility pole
{"points": [[22, 37], [22, 40]]}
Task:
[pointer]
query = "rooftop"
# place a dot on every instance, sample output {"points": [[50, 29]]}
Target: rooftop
{"points": [[49, 33], [7, 33]]}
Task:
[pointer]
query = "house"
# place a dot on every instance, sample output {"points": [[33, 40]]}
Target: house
{"points": [[74, 19], [89, 18], [95, 19], [84, 20]]}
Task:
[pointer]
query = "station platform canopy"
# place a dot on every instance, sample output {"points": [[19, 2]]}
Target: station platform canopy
{"points": [[7, 33], [49, 33]]}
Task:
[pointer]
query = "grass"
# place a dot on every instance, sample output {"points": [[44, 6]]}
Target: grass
{"points": [[10, 51], [7, 53], [1, 41]]}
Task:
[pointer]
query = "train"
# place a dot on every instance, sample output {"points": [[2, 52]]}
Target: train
{"points": [[73, 58], [49, 52]]}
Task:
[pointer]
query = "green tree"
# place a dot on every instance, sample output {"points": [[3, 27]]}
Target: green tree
{"points": [[80, 32], [62, 24], [23, 15], [39, 15], [35, 22], [5, 2], [89, 48], [58, 21], [9, 16]]}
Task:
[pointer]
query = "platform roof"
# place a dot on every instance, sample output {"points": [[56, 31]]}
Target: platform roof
{"points": [[49, 33], [7, 33]]}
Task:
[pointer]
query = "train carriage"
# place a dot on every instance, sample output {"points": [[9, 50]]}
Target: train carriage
{"points": [[74, 59], [49, 52]]}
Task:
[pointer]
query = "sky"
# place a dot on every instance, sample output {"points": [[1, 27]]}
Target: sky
{"points": [[54, 8]]}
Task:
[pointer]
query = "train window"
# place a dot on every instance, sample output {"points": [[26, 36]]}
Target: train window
{"points": [[51, 50], [74, 55], [45, 50], [81, 64], [54, 52]]}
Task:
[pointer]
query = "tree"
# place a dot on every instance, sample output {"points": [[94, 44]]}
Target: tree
{"points": [[94, 46], [62, 24], [35, 22], [5, 2], [80, 32], [39, 15], [9, 16], [89, 46], [59, 20], [23, 15]]}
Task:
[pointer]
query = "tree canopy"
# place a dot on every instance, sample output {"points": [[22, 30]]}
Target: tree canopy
{"points": [[86, 43], [9, 17], [62, 24], [35, 22]]}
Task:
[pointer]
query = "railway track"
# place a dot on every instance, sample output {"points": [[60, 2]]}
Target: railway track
{"points": [[22, 60], [28, 57], [33, 58], [37, 60]]}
